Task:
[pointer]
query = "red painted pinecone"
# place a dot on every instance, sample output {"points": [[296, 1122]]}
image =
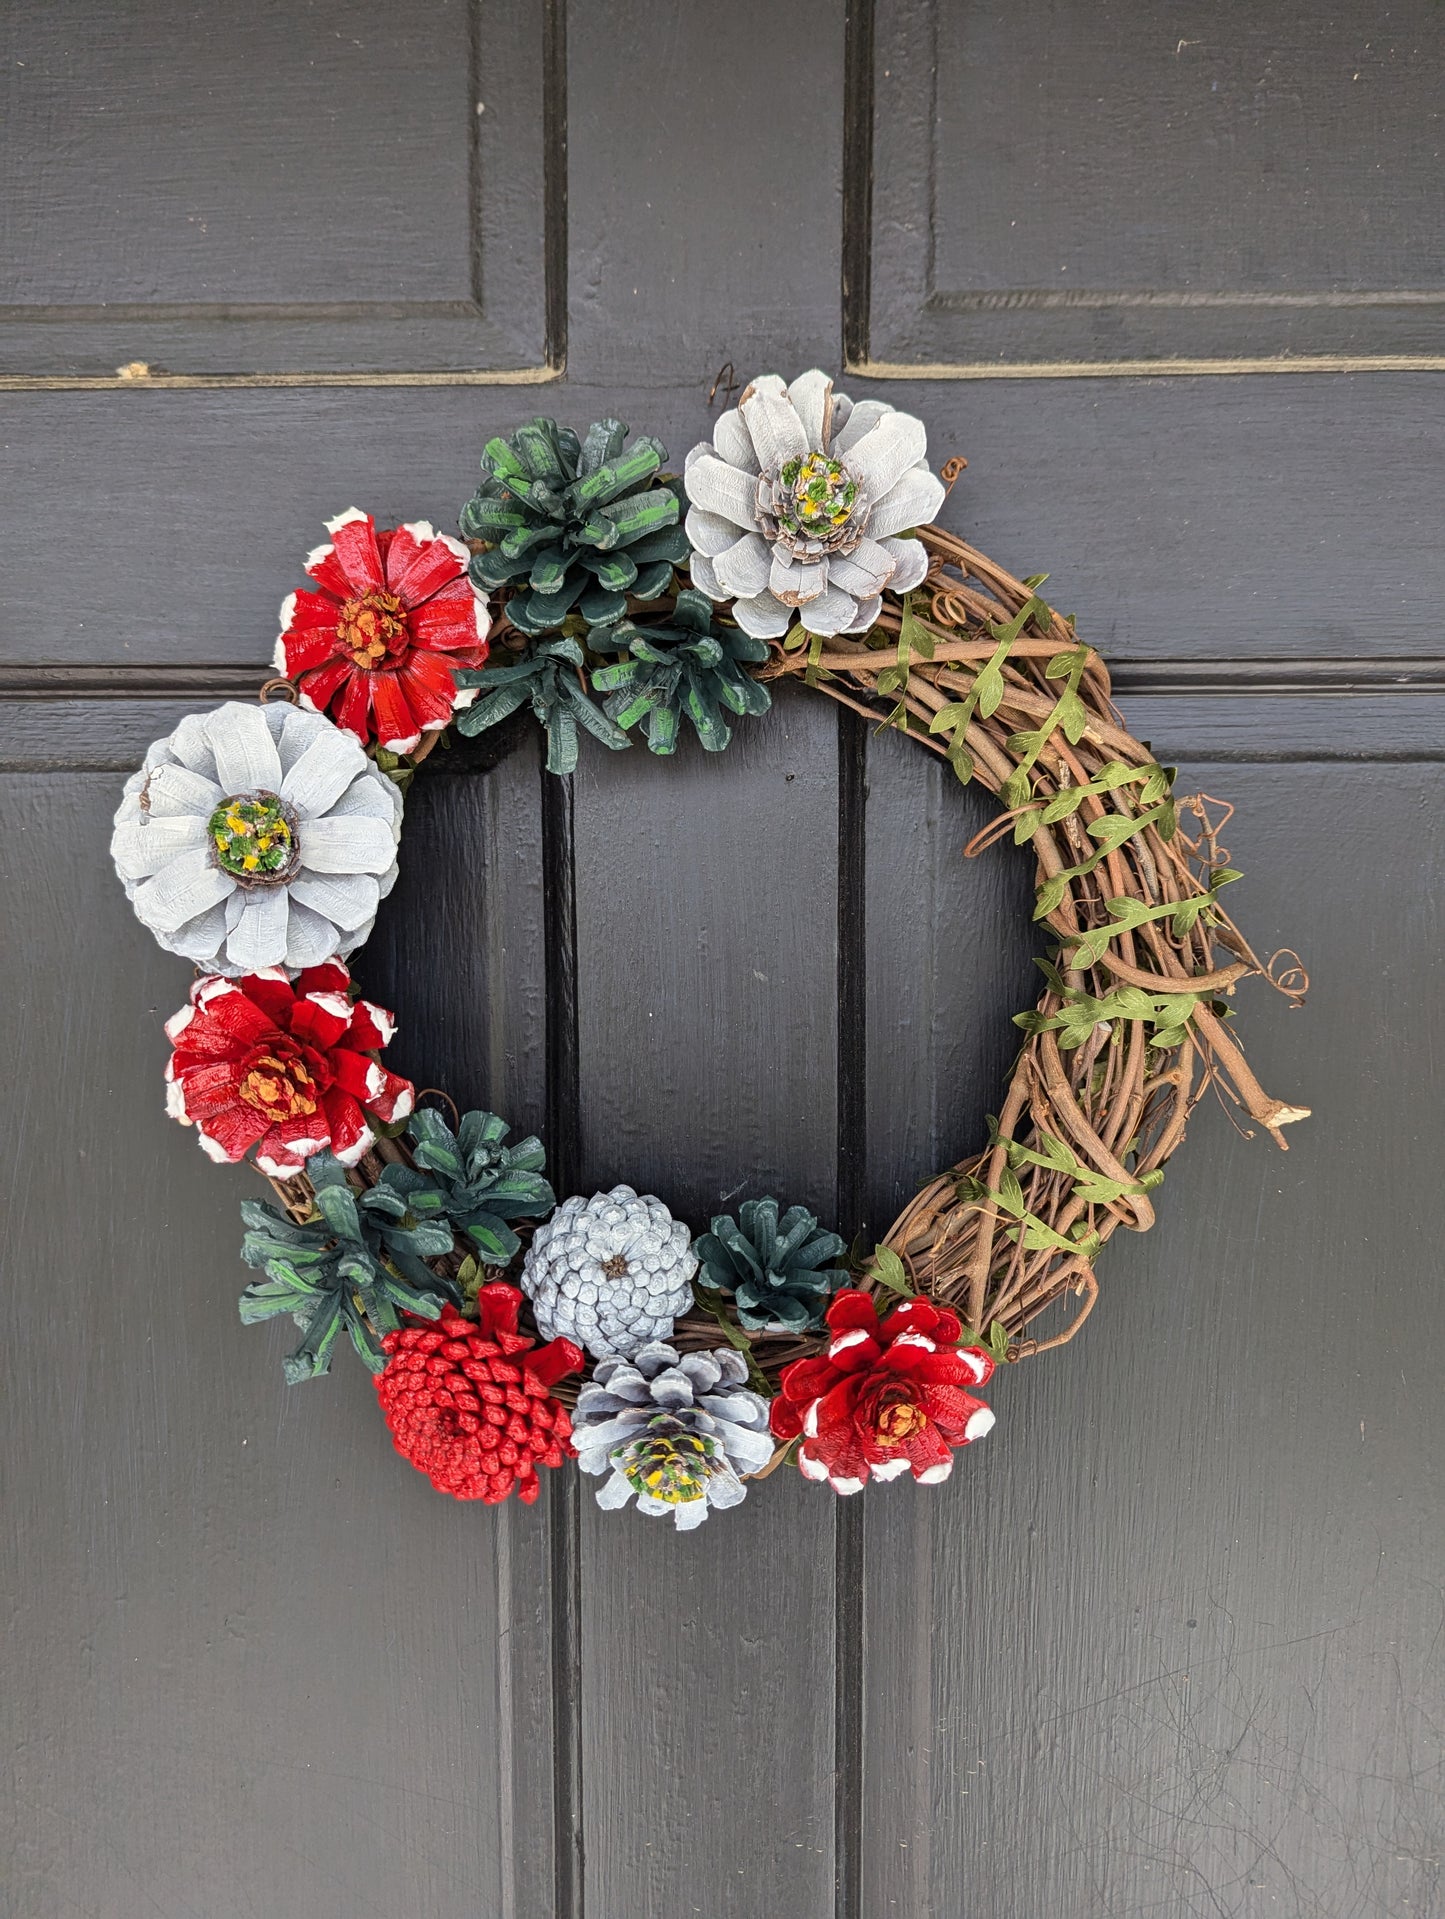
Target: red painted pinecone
{"points": [[469, 1402]]}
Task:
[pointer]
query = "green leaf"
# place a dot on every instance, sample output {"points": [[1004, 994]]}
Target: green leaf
{"points": [[888, 1269]]}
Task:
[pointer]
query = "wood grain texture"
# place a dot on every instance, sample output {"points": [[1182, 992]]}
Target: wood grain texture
{"points": [[1163, 1645], [708, 1074], [240, 1678], [378, 202], [1190, 1580], [1227, 519], [1055, 186], [705, 207]]}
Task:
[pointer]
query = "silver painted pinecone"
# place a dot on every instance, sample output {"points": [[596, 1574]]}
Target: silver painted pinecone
{"points": [[610, 1272]]}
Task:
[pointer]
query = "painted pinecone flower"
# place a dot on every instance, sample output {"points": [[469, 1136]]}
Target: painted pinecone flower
{"points": [[686, 667], [798, 503], [779, 1273], [378, 643], [611, 1272], [573, 523], [471, 1406], [257, 836], [548, 675], [356, 1267], [259, 1064], [678, 1430], [889, 1394], [483, 1182]]}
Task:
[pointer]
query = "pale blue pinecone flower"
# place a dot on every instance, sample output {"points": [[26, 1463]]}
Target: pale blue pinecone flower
{"points": [[799, 502], [678, 1430], [257, 836]]}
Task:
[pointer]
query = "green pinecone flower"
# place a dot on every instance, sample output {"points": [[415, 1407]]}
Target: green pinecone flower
{"points": [[357, 1266], [484, 1182], [547, 675], [687, 666], [574, 523], [779, 1273]]}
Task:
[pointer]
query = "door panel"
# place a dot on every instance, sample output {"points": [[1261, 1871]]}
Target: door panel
{"points": [[231, 1686], [324, 188], [1180, 1657], [1056, 186], [1187, 520]]}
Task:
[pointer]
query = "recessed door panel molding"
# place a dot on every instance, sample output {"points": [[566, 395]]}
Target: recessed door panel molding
{"points": [[274, 193], [1192, 190]]}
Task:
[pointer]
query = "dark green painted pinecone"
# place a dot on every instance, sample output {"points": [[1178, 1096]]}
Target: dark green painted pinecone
{"points": [[484, 1182], [779, 1272], [686, 667], [355, 1268], [574, 524], [547, 675]]}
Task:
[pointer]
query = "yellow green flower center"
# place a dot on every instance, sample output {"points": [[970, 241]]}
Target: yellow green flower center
{"points": [[671, 1464], [370, 627], [817, 495], [253, 838]]}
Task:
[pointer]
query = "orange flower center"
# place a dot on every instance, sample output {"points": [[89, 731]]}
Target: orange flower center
{"points": [[899, 1421], [370, 627], [281, 1089]]}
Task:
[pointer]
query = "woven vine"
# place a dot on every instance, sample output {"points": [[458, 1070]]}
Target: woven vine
{"points": [[1131, 1028]]}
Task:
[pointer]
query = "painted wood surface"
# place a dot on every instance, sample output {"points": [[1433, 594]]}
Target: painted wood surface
{"points": [[1167, 1642], [1150, 182]]}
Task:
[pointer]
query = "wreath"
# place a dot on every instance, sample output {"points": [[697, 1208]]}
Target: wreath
{"points": [[508, 1332]]}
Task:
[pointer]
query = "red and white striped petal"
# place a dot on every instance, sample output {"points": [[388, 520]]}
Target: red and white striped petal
{"points": [[372, 1027], [350, 1134], [353, 534], [178, 1022], [321, 1018], [308, 631], [394, 1097], [980, 1422], [418, 563], [207, 1089], [356, 1074], [286, 1148], [978, 1363], [271, 990], [857, 1347], [457, 616], [223, 1024], [324, 567], [430, 690], [229, 1135], [320, 687], [354, 705], [329, 977], [395, 725]]}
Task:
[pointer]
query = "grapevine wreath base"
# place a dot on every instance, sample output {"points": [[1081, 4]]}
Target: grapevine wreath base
{"points": [[508, 1333]]}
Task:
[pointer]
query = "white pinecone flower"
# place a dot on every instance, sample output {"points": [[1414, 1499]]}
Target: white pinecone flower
{"points": [[678, 1430], [257, 836], [610, 1272], [798, 502]]}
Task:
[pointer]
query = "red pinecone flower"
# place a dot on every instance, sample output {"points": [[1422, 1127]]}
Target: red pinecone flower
{"points": [[467, 1409], [288, 1068], [395, 614], [886, 1397]]}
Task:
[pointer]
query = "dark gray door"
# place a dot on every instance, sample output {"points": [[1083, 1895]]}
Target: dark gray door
{"points": [[1168, 1644]]}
